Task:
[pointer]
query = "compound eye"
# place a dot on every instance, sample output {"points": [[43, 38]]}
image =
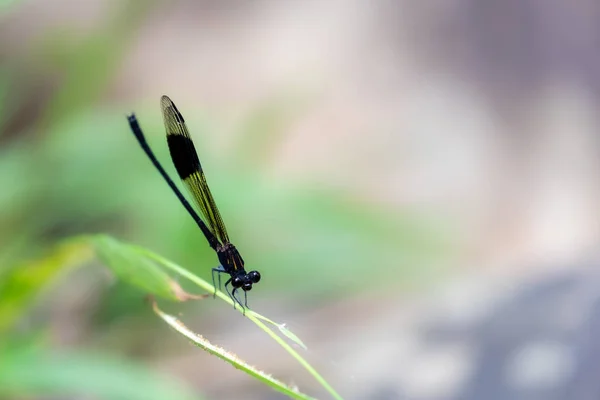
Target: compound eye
{"points": [[247, 286], [254, 276], [237, 282]]}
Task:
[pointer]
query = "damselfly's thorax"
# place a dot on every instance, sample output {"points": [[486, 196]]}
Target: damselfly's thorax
{"points": [[230, 258]]}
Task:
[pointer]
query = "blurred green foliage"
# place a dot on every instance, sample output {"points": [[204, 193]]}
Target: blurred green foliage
{"points": [[27, 371], [48, 193]]}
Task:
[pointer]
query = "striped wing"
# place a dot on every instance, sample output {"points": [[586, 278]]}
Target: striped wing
{"points": [[187, 164]]}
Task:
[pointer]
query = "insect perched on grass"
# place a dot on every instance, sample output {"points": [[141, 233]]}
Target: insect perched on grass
{"points": [[187, 164]]}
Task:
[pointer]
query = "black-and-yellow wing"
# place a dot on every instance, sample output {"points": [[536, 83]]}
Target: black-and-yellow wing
{"points": [[187, 164]]}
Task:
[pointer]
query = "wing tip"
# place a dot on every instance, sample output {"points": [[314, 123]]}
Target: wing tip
{"points": [[165, 99], [168, 106]]}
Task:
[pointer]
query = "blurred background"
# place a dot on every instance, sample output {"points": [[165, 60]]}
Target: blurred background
{"points": [[417, 182]]}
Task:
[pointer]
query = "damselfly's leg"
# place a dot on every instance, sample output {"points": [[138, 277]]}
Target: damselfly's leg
{"points": [[219, 270], [236, 300], [231, 296]]}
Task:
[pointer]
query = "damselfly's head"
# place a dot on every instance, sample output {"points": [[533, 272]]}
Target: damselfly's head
{"points": [[245, 281]]}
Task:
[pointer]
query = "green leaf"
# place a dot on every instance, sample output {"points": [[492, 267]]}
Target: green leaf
{"points": [[284, 330], [251, 315], [132, 267], [30, 372], [21, 283], [226, 356], [125, 256]]}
